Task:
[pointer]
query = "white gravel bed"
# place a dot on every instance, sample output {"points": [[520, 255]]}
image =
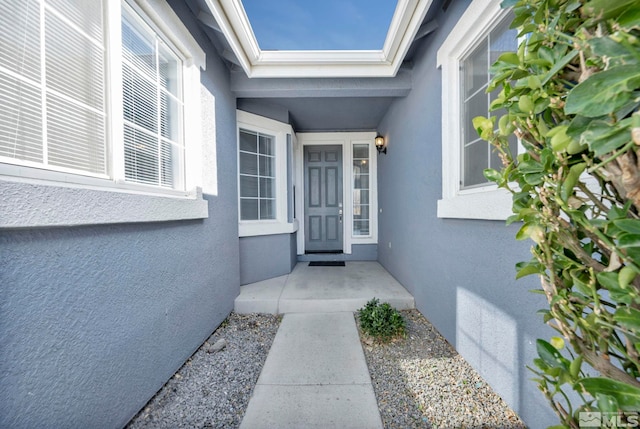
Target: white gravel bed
{"points": [[421, 382], [212, 389]]}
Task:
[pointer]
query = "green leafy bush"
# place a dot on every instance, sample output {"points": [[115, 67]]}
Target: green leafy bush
{"points": [[571, 94], [381, 321]]}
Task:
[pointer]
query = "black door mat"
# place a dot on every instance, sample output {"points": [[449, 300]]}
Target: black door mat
{"points": [[326, 264]]}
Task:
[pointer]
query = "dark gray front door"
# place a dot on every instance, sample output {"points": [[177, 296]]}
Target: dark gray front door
{"points": [[323, 198]]}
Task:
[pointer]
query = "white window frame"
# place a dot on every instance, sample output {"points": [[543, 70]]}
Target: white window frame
{"points": [[279, 130], [39, 197], [481, 202]]}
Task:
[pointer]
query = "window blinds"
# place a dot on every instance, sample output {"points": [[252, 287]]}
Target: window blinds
{"points": [[52, 91], [152, 106]]}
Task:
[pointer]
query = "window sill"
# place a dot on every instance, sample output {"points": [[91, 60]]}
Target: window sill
{"points": [[33, 204], [251, 229], [489, 205]]}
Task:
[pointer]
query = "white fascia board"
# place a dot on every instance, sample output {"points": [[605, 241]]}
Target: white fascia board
{"points": [[226, 23], [236, 28], [404, 25]]}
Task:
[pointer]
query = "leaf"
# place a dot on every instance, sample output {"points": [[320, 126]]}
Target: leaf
{"points": [[527, 268], [559, 65], [629, 318], [604, 92], [608, 280], [572, 178], [559, 138], [626, 240], [630, 18], [615, 51], [603, 137], [606, 9], [550, 355], [509, 58], [530, 166], [525, 104], [628, 225], [580, 285], [533, 179], [627, 396], [607, 403], [492, 175], [484, 126], [532, 231], [574, 368], [616, 213], [626, 276]]}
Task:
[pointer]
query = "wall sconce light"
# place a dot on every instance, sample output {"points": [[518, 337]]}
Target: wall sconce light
{"points": [[380, 144]]}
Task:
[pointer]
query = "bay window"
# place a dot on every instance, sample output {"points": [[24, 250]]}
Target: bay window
{"points": [[264, 182]]}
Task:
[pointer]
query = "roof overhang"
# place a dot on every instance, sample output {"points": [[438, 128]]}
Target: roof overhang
{"points": [[236, 28]]}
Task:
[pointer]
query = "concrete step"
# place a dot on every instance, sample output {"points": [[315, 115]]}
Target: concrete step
{"points": [[323, 289]]}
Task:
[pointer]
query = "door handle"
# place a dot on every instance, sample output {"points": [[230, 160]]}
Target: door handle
{"points": [[340, 213]]}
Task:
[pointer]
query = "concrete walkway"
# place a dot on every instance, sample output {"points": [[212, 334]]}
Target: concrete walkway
{"points": [[316, 375]]}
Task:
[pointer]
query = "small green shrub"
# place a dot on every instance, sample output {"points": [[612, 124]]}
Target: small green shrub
{"points": [[381, 321]]}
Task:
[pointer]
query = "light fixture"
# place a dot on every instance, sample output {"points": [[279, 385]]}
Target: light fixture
{"points": [[380, 144]]}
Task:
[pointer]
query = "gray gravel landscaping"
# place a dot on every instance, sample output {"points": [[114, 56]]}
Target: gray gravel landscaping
{"points": [[419, 381], [212, 389]]}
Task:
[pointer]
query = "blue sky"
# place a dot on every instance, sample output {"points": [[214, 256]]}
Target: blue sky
{"points": [[320, 24]]}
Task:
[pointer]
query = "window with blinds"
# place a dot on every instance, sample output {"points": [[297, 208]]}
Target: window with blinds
{"points": [[54, 98], [152, 106], [361, 219], [52, 91]]}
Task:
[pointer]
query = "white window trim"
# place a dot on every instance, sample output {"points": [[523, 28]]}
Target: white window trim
{"points": [[485, 202], [279, 130], [372, 238], [38, 197], [346, 140]]}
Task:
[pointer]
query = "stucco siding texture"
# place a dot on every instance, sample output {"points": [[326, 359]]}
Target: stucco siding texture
{"points": [[95, 319], [266, 256], [461, 272]]}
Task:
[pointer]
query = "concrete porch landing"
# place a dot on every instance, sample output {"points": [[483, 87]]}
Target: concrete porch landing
{"points": [[323, 289]]}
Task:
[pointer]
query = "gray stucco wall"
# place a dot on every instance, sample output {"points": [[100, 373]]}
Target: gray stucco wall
{"points": [[266, 256], [94, 320], [461, 272]]}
